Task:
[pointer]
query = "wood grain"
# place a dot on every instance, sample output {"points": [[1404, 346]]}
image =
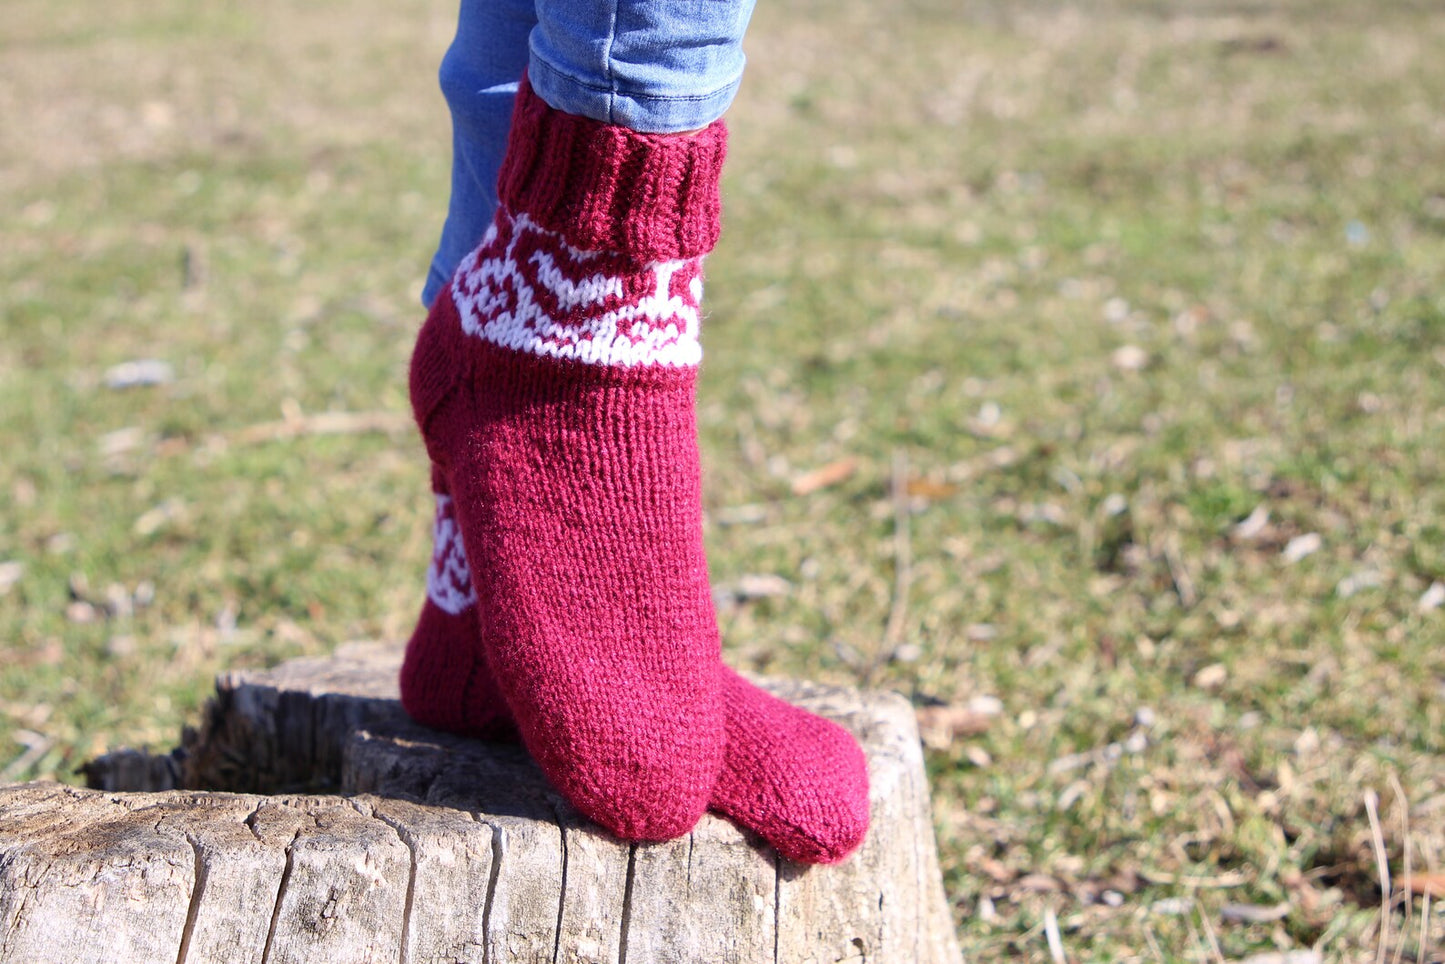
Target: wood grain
{"points": [[431, 848]]}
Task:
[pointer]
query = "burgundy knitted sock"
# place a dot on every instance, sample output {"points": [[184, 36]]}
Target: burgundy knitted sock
{"points": [[796, 779], [799, 781], [553, 383], [445, 683]]}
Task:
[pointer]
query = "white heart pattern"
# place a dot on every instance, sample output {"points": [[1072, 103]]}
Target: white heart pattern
{"points": [[525, 288]]}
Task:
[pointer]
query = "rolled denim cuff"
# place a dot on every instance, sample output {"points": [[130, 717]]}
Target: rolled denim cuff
{"points": [[646, 112]]}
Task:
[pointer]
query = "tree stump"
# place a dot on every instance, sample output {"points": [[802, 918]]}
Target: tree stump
{"points": [[321, 825]]}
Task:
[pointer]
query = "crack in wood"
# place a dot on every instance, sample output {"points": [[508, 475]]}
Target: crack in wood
{"points": [[777, 904], [7, 861], [700, 901], [562, 896], [627, 903], [498, 848], [280, 896], [408, 840], [691, 843], [198, 889]]}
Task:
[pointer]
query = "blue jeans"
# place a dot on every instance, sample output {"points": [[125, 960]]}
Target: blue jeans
{"points": [[659, 66]]}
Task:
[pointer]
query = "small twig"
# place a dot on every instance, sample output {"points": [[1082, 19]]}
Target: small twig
{"points": [[1213, 938], [1382, 865], [1153, 943], [1051, 933], [36, 746], [1201, 882], [1255, 914], [1194, 937], [326, 423], [1424, 929], [1179, 573], [1407, 882], [1107, 755], [902, 555]]}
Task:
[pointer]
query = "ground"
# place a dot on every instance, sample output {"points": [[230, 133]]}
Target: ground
{"points": [[1077, 370]]}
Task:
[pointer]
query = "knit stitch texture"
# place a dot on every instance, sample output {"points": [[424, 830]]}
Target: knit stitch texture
{"points": [[554, 386], [444, 683], [553, 383]]}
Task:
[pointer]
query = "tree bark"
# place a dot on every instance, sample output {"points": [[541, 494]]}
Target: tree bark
{"points": [[430, 847]]}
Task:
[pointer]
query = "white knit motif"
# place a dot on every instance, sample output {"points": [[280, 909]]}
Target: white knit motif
{"points": [[593, 318], [449, 578]]}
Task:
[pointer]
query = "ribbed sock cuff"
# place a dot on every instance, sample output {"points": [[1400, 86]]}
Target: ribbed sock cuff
{"points": [[651, 197]]}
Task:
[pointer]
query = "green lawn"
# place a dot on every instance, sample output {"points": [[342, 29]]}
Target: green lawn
{"points": [[1121, 326]]}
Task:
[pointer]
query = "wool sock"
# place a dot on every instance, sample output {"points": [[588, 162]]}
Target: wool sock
{"points": [[553, 383], [444, 681], [797, 780]]}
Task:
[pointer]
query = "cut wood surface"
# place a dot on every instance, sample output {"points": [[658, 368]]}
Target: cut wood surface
{"points": [[429, 847]]}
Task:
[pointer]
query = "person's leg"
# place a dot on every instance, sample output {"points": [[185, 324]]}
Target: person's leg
{"points": [[478, 77], [443, 682], [654, 66], [796, 779], [553, 383], [649, 66]]}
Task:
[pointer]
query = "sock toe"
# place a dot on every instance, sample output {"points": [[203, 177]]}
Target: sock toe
{"points": [[795, 778]]}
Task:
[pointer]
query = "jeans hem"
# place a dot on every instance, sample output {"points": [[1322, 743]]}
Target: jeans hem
{"points": [[645, 113]]}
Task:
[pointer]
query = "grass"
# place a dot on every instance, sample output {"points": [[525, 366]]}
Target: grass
{"points": [[1146, 297]]}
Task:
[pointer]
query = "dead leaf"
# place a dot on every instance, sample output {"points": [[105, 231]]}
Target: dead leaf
{"points": [[1301, 546], [761, 585], [1254, 913], [80, 612], [1038, 884], [824, 476], [1211, 677], [1253, 525], [1129, 358], [737, 515], [941, 725], [153, 520], [927, 489], [994, 869], [10, 573], [1432, 884], [139, 373]]}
